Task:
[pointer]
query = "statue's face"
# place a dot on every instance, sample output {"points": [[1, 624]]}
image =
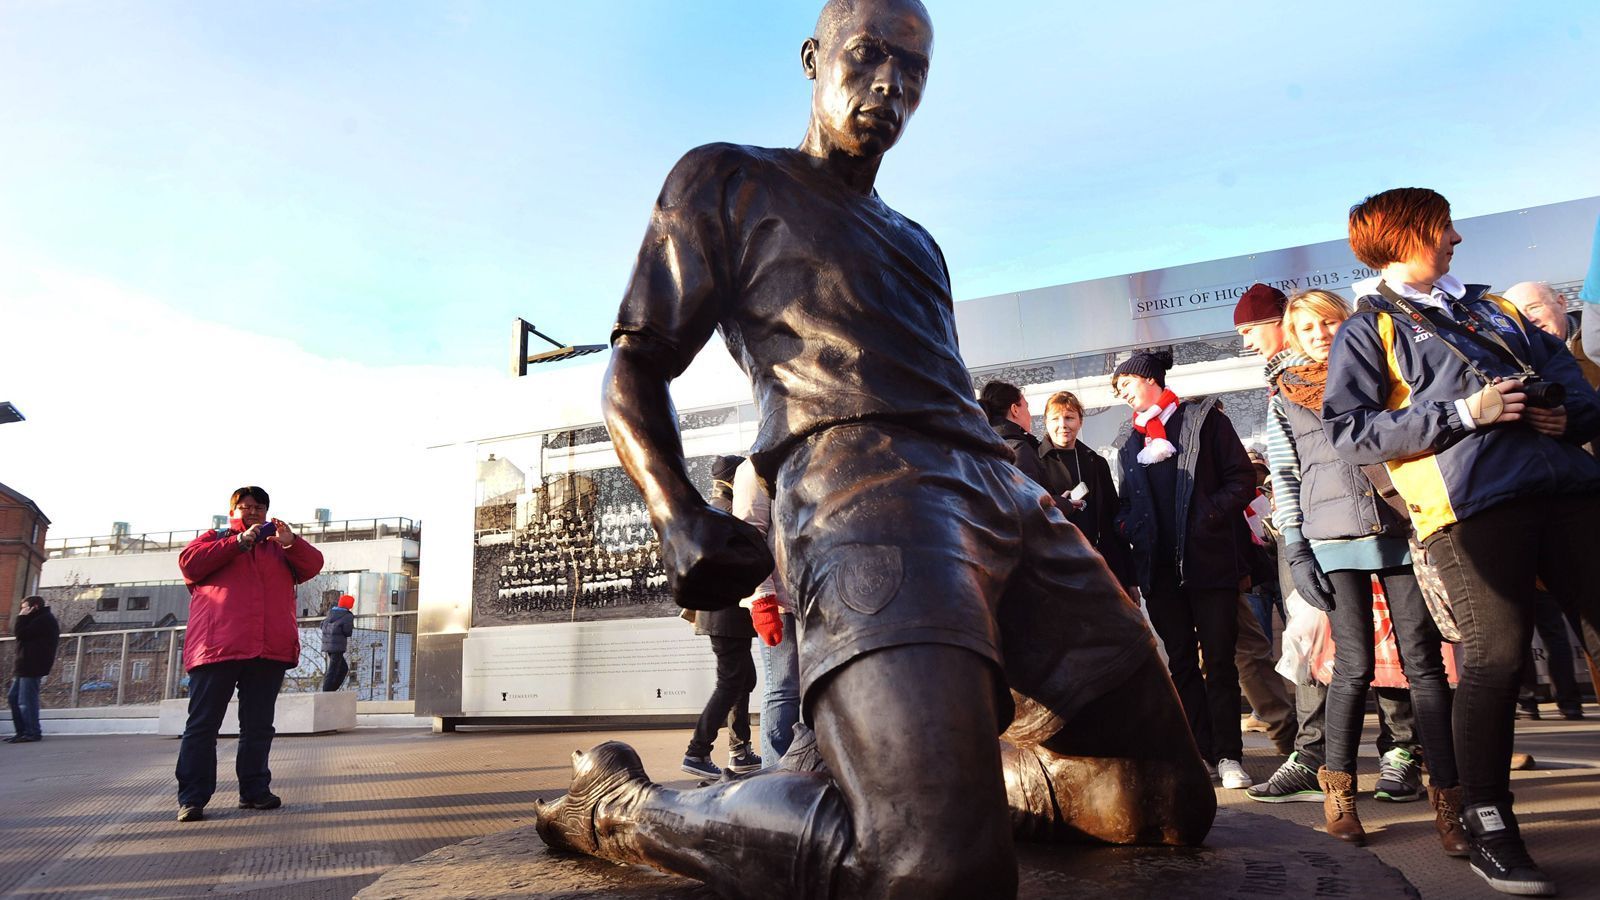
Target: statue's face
{"points": [[869, 76]]}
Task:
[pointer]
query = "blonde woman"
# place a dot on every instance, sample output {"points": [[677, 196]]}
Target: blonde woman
{"points": [[1339, 534]]}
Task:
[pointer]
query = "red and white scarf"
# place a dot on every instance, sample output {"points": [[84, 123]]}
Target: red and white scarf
{"points": [[1149, 424]]}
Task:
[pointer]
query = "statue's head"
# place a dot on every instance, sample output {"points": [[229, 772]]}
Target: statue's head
{"points": [[869, 61]]}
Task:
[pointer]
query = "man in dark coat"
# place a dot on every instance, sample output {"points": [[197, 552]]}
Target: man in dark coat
{"points": [[37, 634], [1185, 483], [730, 631]]}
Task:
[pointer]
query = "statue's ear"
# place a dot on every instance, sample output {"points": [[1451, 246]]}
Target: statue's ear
{"points": [[808, 58]]}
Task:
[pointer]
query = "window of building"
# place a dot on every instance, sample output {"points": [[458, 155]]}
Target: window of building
{"points": [[112, 672], [141, 670], [138, 603], [106, 604]]}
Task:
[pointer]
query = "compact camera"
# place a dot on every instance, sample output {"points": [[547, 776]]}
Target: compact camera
{"points": [[1543, 394], [268, 529]]}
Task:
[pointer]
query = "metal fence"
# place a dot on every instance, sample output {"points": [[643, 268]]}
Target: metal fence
{"points": [[157, 541], [145, 665]]}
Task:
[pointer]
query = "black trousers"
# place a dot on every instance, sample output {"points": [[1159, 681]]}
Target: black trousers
{"points": [[1189, 622], [1550, 621], [338, 668], [211, 687], [1489, 563], [1418, 642], [730, 699]]}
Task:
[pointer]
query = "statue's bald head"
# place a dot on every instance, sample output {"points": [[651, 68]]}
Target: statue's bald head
{"points": [[1541, 305], [869, 59], [838, 13]]}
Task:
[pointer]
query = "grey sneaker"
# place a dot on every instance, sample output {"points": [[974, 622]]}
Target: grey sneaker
{"points": [[701, 766], [1294, 782], [744, 762], [1399, 777]]}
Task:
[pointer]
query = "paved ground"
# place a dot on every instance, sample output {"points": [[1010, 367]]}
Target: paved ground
{"points": [[92, 816]]}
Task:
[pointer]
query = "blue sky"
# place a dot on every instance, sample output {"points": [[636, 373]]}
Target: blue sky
{"points": [[377, 185]]}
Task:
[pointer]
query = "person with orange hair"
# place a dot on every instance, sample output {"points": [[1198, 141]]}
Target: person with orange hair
{"points": [[1479, 419]]}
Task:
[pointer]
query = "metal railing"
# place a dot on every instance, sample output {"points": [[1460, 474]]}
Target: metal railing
{"points": [[141, 666], [158, 541]]}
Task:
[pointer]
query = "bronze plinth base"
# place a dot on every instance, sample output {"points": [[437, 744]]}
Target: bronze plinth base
{"points": [[1246, 855]]}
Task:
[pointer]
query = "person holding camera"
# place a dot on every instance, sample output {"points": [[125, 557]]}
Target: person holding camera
{"points": [[1479, 419], [242, 635]]}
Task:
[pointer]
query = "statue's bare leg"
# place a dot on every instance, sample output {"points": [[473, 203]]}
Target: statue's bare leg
{"points": [[917, 806]]}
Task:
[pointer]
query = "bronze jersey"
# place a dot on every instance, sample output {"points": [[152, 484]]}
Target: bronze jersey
{"points": [[835, 305]]}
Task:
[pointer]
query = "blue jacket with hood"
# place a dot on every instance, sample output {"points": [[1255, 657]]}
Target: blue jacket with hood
{"points": [[1391, 398]]}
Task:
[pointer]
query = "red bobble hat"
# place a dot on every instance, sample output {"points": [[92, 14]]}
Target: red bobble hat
{"points": [[1262, 303]]}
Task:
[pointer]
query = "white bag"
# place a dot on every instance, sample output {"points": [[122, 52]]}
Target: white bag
{"points": [[1303, 637]]}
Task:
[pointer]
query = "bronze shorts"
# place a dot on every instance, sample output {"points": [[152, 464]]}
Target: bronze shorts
{"points": [[889, 537]]}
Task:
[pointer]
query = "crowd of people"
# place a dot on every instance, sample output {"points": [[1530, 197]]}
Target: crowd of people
{"points": [[1425, 445]]}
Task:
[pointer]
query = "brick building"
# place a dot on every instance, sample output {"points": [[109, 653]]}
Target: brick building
{"points": [[22, 554]]}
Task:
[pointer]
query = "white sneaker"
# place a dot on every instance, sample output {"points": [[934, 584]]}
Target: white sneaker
{"points": [[1232, 774]]}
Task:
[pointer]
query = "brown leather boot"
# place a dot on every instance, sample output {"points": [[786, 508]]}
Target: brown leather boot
{"points": [[1447, 819], [1339, 806]]}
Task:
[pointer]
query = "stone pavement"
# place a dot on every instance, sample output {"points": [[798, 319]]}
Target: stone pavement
{"points": [[85, 816]]}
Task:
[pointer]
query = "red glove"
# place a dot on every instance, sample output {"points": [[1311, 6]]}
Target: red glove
{"points": [[764, 615]]}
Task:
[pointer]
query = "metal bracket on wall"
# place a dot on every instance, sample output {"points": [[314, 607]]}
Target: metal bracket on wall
{"points": [[521, 360]]}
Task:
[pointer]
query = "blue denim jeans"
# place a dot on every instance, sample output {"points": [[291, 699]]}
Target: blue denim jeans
{"points": [[780, 708], [24, 700], [1263, 600], [211, 687]]}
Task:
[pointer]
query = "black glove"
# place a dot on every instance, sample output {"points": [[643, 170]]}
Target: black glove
{"points": [[1309, 579]]}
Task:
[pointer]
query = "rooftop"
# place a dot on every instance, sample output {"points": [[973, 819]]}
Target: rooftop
{"points": [[163, 541]]}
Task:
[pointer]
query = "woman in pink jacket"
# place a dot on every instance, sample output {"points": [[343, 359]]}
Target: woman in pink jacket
{"points": [[242, 634]]}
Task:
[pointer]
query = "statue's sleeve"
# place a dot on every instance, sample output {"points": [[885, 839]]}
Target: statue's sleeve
{"points": [[682, 280]]}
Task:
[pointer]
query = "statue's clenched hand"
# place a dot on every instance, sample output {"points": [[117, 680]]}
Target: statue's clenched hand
{"points": [[712, 559]]}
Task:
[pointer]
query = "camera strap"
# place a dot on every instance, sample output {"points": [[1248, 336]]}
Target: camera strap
{"points": [[1473, 329]]}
